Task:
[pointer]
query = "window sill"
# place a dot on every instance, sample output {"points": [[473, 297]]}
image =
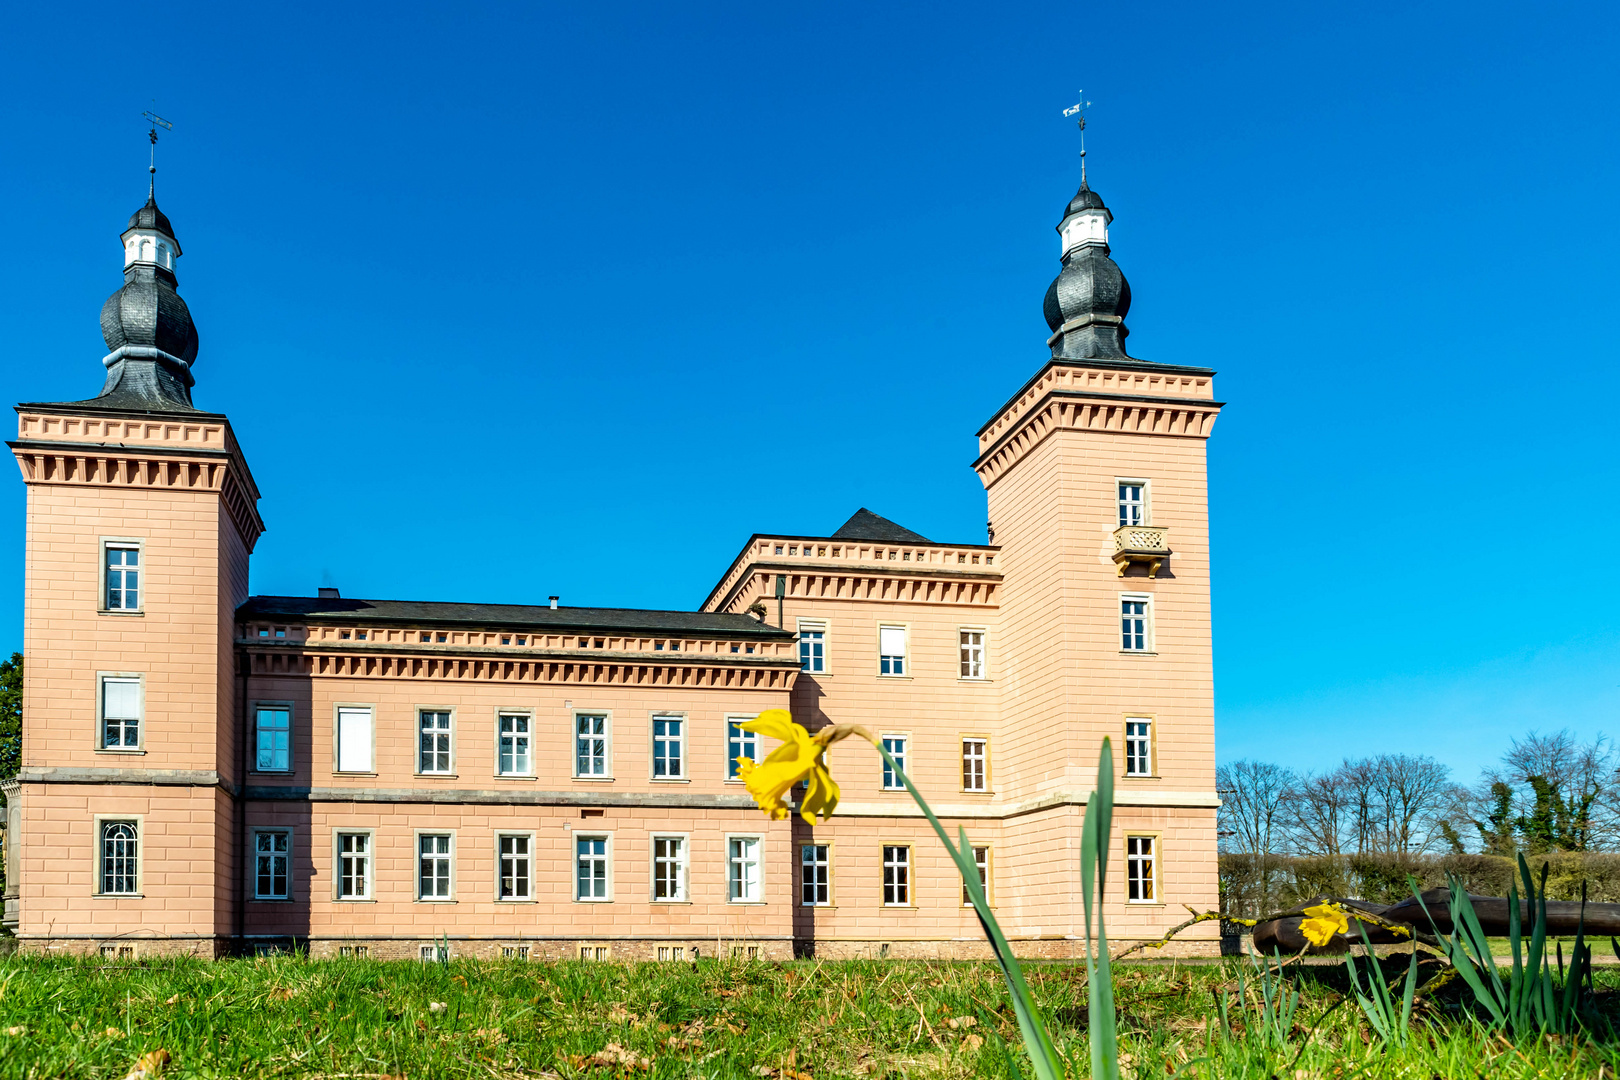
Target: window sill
{"points": [[1142, 776], [981, 681], [133, 750], [270, 900], [1138, 652], [670, 903], [353, 900], [593, 900], [595, 779], [746, 903], [1145, 903], [896, 678], [514, 900], [110, 611], [899, 907], [977, 791], [270, 772], [434, 900], [669, 779], [335, 773], [436, 776], [515, 776], [119, 896]]}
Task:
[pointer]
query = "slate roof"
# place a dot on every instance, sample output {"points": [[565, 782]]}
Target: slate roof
{"points": [[865, 525], [529, 617]]}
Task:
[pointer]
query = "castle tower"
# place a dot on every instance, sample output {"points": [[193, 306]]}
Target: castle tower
{"points": [[1095, 477], [141, 516]]}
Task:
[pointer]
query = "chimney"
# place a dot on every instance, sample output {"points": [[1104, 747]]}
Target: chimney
{"points": [[326, 593], [554, 600]]}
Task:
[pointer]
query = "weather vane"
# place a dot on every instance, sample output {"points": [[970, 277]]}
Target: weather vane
{"points": [[158, 122], [1079, 110]]}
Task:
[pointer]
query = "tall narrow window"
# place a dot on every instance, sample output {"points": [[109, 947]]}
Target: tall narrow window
{"points": [[975, 765], [123, 579], [896, 876], [815, 879], [896, 746], [891, 650], [812, 646], [743, 872], [1132, 506], [120, 713], [354, 740], [120, 848], [590, 745], [354, 866], [272, 853], [668, 748], [981, 860], [1133, 624], [514, 868], [435, 742], [433, 866], [273, 735], [514, 749], [1138, 748], [739, 744], [591, 867], [971, 644], [1139, 869], [669, 868]]}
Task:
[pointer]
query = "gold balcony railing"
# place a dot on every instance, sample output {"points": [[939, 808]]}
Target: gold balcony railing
{"points": [[1146, 544]]}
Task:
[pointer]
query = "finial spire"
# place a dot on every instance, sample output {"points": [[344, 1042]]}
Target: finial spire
{"points": [[1078, 110], [158, 122]]}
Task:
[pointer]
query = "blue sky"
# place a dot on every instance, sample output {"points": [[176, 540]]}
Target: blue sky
{"points": [[512, 301]]}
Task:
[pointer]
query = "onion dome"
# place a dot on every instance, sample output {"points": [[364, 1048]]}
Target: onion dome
{"points": [[1087, 303], [146, 325]]}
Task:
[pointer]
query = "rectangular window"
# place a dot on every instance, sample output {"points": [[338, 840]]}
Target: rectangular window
{"points": [[120, 713], [812, 646], [354, 740], [1133, 623], [891, 650], [896, 746], [514, 748], [1132, 503], [354, 866], [120, 863], [669, 868], [739, 744], [971, 644], [1139, 869], [272, 856], [513, 852], [815, 879], [433, 866], [591, 867], [981, 860], [273, 736], [515, 952], [975, 765], [435, 954], [434, 752], [590, 744], [1138, 748], [123, 578], [668, 748], [743, 868], [896, 876]]}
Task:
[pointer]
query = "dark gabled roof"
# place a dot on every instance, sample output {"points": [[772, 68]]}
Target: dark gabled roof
{"points": [[865, 525], [530, 617]]}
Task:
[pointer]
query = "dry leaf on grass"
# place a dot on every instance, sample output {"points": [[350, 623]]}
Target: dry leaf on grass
{"points": [[173, 1000], [436, 1006], [611, 1054], [961, 1022], [973, 1042], [148, 1065], [18, 1030]]}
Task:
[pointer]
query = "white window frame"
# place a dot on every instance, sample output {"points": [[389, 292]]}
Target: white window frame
{"points": [[272, 706], [138, 821], [742, 743], [253, 864], [1145, 503], [139, 679], [1133, 879], [574, 737], [904, 671], [895, 887], [337, 864], [962, 653], [338, 709], [527, 736], [682, 865], [607, 868], [891, 780], [680, 742], [825, 866], [813, 626], [983, 761], [528, 871], [138, 546], [448, 734], [1148, 644], [435, 953], [449, 858], [732, 860], [985, 866], [1151, 749]]}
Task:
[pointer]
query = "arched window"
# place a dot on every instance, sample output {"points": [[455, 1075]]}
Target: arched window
{"points": [[146, 249], [119, 848]]}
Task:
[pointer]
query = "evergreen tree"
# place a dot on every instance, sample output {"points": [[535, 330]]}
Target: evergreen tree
{"points": [[11, 683]]}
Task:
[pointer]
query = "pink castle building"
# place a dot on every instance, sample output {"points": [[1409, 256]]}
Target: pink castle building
{"points": [[209, 771]]}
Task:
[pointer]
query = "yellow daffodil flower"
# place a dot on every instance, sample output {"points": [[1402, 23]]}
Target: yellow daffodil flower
{"points": [[1322, 922], [800, 757]]}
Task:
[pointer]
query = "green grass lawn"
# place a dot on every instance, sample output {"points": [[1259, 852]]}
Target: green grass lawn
{"points": [[807, 1020]]}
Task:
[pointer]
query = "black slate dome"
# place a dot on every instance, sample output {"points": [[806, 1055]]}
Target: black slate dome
{"points": [[1086, 304], [150, 217]]}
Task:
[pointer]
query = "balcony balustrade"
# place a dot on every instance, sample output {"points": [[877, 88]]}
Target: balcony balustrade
{"points": [[1146, 544]]}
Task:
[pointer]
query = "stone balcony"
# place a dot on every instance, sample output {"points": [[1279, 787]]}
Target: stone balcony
{"points": [[1146, 544]]}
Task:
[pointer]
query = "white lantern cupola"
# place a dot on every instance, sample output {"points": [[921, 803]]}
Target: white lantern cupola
{"points": [[150, 238]]}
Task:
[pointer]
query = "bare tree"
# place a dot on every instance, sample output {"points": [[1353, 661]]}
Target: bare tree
{"points": [[1416, 794], [1320, 814], [1252, 818], [1563, 793]]}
